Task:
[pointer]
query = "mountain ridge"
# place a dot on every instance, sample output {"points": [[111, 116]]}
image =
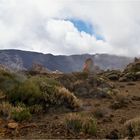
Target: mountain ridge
{"points": [[20, 59]]}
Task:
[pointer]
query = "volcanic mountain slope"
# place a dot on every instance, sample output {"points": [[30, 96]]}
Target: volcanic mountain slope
{"points": [[75, 105], [20, 60]]}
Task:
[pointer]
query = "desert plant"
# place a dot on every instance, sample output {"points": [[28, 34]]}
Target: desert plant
{"points": [[67, 97], [36, 109], [58, 95], [43, 79], [8, 80], [132, 127], [19, 113], [81, 75], [89, 126], [2, 95], [78, 123], [27, 92], [98, 113], [5, 109], [74, 122]]}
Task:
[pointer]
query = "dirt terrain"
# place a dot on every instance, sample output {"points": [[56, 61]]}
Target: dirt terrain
{"points": [[75, 105], [109, 121]]}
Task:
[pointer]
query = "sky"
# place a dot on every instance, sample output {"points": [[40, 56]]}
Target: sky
{"points": [[71, 26]]}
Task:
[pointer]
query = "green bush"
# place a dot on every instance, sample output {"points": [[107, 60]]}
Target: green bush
{"points": [[20, 114], [7, 81], [27, 92], [38, 90], [43, 79]]}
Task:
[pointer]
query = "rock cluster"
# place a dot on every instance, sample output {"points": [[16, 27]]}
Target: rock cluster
{"points": [[130, 73], [38, 69]]}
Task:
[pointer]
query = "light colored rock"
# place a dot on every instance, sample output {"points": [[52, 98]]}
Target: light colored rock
{"points": [[13, 125]]}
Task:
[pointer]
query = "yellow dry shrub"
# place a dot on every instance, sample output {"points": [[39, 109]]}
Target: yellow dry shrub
{"points": [[66, 96], [133, 126], [5, 109]]}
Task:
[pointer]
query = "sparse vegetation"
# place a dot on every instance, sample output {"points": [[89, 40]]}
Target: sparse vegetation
{"points": [[132, 127], [81, 123], [35, 92], [5, 109], [20, 113], [99, 113], [66, 105], [27, 92], [66, 96], [74, 122], [36, 109]]}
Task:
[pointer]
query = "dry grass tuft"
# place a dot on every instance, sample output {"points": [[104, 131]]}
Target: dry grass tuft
{"points": [[67, 97], [132, 127], [81, 123]]}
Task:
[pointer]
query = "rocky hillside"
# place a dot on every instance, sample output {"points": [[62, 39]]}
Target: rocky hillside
{"points": [[78, 105], [20, 60]]}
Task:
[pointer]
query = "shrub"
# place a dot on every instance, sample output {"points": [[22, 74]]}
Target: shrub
{"points": [[43, 91], [99, 113], [43, 79], [36, 109], [81, 75], [20, 114], [132, 127], [31, 92], [78, 123], [2, 95], [27, 92], [74, 122], [66, 97], [5, 109], [8, 81], [58, 95], [89, 126]]}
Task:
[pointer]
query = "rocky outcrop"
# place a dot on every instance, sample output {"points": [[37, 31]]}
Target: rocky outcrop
{"points": [[14, 62], [112, 74], [38, 69], [88, 65], [131, 72]]}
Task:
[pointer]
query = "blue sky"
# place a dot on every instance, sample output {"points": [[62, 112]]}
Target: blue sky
{"points": [[86, 27]]}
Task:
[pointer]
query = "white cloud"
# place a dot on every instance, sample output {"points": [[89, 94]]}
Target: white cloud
{"points": [[39, 25]]}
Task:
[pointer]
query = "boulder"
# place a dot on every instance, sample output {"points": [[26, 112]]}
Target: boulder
{"points": [[112, 74], [12, 125]]}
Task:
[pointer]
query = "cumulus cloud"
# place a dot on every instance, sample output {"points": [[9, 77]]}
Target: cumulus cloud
{"points": [[45, 26]]}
